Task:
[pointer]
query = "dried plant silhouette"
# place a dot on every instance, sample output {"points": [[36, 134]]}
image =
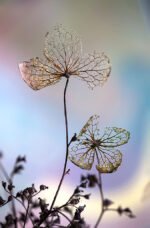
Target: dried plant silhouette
{"points": [[63, 57]]}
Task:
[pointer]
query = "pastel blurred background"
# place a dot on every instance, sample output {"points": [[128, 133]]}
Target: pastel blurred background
{"points": [[32, 123]]}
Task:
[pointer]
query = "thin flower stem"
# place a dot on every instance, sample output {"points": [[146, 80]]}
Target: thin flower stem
{"points": [[60, 212], [4, 204], [66, 157], [9, 180], [102, 200], [13, 205], [14, 210], [64, 205], [111, 209], [26, 215], [100, 187], [23, 207], [4, 172], [99, 218], [14, 197]]}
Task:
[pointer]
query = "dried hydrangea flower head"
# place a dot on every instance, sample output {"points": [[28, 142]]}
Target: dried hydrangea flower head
{"points": [[90, 144], [63, 58]]}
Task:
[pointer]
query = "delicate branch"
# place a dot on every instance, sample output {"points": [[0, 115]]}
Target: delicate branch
{"points": [[26, 215], [4, 172], [22, 204], [66, 158], [69, 220], [9, 180], [102, 200], [63, 58]]}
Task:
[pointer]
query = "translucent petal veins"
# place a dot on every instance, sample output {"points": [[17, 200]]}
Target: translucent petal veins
{"points": [[84, 160], [114, 136], [63, 48], [81, 153], [91, 126], [90, 145], [108, 160], [95, 69], [63, 57], [37, 74]]}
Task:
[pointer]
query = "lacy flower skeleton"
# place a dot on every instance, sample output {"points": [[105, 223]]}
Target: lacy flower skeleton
{"points": [[89, 145], [62, 57]]}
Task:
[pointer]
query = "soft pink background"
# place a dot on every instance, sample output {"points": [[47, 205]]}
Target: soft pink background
{"points": [[32, 123]]}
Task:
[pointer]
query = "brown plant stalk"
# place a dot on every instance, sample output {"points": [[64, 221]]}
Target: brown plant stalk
{"points": [[66, 156]]}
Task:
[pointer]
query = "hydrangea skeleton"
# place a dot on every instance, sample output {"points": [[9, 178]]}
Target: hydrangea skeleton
{"points": [[89, 144], [63, 57]]}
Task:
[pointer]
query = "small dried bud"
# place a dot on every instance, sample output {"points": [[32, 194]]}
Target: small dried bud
{"points": [[107, 202], [77, 191], [43, 187], [74, 138], [28, 192], [74, 201], [81, 208], [131, 216], [92, 180], [2, 201], [4, 184], [43, 204], [9, 219], [17, 169], [67, 172], [127, 210], [19, 194], [83, 178], [83, 184], [87, 196], [120, 210], [10, 187], [10, 198], [20, 159], [77, 215], [22, 216]]}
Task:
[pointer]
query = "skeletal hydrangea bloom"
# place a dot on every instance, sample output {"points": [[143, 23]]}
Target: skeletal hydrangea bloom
{"points": [[63, 58], [90, 145]]}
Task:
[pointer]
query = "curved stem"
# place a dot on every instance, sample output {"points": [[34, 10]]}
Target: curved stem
{"points": [[60, 212], [101, 195], [13, 205], [101, 189], [4, 172], [66, 158], [26, 215], [10, 181], [102, 199], [14, 210]]}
